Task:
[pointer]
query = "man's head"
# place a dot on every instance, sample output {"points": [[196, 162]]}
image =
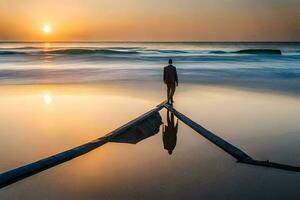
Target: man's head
{"points": [[170, 61]]}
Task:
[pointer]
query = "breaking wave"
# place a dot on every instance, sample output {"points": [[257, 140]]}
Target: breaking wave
{"points": [[252, 51], [130, 51], [70, 51], [90, 51], [260, 51]]}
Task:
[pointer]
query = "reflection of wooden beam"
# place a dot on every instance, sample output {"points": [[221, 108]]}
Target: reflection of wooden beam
{"points": [[229, 148], [23, 172]]}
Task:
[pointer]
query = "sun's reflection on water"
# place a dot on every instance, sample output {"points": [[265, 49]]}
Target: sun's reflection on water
{"points": [[47, 58], [47, 45]]}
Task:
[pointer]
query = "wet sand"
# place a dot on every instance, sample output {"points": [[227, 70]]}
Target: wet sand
{"points": [[38, 121]]}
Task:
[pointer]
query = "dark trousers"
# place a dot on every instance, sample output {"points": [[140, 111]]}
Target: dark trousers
{"points": [[171, 87]]}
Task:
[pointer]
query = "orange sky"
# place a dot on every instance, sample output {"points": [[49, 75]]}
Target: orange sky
{"points": [[136, 20]]}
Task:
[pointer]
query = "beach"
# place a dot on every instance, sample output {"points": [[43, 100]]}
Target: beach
{"points": [[59, 97], [260, 124]]}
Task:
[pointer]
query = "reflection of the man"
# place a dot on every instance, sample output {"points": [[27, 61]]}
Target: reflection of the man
{"points": [[170, 133]]}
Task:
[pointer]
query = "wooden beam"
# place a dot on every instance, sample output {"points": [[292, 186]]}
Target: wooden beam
{"points": [[235, 152], [23, 172]]}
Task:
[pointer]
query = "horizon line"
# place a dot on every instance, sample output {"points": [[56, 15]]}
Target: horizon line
{"points": [[149, 41]]}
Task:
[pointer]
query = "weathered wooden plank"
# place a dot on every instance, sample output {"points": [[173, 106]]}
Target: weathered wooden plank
{"points": [[229, 148], [241, 156], [272, 165], [20, 173]]}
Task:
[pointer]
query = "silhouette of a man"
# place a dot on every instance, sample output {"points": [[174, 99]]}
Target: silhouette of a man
{"points": [[171, 80], [170, 133]]}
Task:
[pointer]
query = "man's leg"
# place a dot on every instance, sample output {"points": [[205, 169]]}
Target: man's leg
{"points": [[168, 92], [173, 88]]}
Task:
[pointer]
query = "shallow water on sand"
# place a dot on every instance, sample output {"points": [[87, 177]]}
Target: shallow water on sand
{"points": [[39, 121]]}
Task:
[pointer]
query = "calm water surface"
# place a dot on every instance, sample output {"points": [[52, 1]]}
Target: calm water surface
{"points": [[38, 121]]}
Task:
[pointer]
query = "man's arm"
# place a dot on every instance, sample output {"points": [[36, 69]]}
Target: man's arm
{"points": [[164, 75], [176, 77]]}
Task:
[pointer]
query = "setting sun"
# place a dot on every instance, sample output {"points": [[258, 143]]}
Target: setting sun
{"points": [[47, 29], [47, 99]]}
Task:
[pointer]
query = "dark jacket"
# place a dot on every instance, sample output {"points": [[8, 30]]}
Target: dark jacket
{"points": [[170, 75]]}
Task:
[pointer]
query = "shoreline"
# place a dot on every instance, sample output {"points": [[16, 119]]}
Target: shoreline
{"points": [[152, 86]]}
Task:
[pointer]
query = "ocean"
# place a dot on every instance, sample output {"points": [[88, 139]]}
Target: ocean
{"points": [[260, 65]]}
